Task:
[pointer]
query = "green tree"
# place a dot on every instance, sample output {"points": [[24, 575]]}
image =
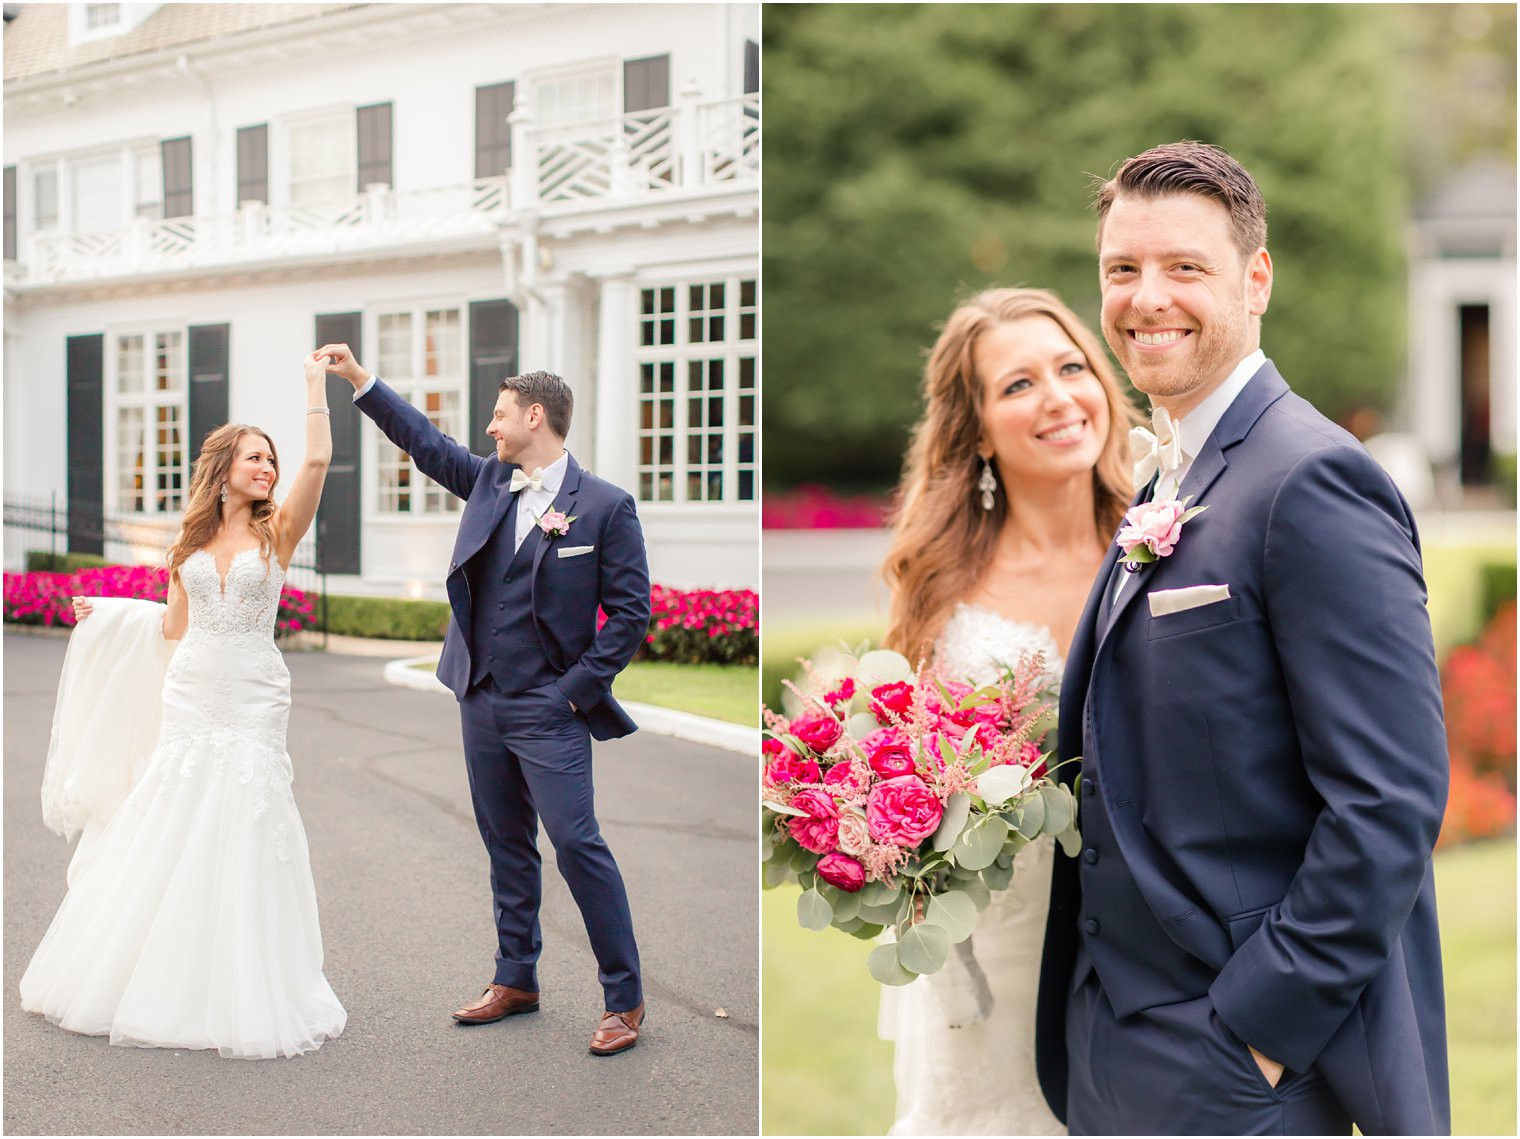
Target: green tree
{"points": [[916, 153]]}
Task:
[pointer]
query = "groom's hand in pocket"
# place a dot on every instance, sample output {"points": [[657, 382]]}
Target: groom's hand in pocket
{"points": [[1270, 1069]]}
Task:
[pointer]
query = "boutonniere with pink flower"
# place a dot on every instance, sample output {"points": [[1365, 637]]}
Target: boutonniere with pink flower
{"points": [[555, 523], [1153, 529]]}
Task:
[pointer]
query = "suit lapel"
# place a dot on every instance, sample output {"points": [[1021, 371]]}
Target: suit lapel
{"points": [[564, 502]]}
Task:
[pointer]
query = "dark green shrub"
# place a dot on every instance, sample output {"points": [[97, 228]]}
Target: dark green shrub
{"points": [[44, 561], [387, 618], [1498, 585]]}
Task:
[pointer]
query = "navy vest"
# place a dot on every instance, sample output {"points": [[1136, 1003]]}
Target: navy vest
{"points": [[504, 641], [1138, 962]]}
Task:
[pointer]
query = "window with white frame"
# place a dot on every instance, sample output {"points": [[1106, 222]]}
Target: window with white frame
{"points": [[421, 354], [697, 391], [150, 416], [148, 189], [101, 16], [565, 101], [321, 157], [45, 199]]}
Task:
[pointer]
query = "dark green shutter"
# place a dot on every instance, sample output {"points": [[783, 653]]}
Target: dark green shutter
{"points": [[338, 512], [209, 387], [493, 137], [646, 83], [86, 443], [253, 164], [493, 357], [179, 195], [375, 146]]}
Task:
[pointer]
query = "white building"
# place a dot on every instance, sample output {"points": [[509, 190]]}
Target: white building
{"points": [[196, 195]]}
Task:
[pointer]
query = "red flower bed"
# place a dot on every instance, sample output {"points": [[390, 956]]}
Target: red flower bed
{"points": [[814, 507], [46, 598], [701, 626], [1478, 683]]}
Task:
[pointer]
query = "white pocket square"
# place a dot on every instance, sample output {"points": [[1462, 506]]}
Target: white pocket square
{"points": [[572, 551], [1164, 601]]}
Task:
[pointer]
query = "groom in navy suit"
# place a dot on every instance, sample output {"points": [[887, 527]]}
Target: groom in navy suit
{"points": [[1247, 943], [542, 544]]}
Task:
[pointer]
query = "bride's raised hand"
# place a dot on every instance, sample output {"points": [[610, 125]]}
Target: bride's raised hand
{"points": [[316, 367], [82, 609]]}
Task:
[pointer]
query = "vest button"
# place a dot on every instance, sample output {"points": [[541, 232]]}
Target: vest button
{"points": [[492, 658], [509, 579], [501, 605], [1091, 926], [1090, 855], [1087, 786]]}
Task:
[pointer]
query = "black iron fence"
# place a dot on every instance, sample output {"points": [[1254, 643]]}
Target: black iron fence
{"points": [[138, 540]]}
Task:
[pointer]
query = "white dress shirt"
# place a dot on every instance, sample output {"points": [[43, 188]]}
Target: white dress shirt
{"points": [[1194, 429], [531, 503]]}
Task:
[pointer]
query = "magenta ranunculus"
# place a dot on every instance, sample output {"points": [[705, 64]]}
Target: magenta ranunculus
{"points": [[902, 811], [850, 776], [843, 871], [841, 695], [817, 730], [896, 697], [889, 752], [789, 767], [987, 735], [819, 829]]}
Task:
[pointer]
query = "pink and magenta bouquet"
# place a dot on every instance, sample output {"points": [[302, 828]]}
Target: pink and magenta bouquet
{"points": [[899, 799]]}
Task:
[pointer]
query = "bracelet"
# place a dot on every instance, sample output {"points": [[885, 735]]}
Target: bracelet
{"points": [[319, 411]]}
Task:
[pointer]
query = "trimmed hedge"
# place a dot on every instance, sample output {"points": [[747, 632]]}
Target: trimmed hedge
{"points": [[387, 618], [1498, 580], [42, 561]]}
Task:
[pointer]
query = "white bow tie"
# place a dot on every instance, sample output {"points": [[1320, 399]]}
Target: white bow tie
{"points": [[535, 480], [1159, 452]]}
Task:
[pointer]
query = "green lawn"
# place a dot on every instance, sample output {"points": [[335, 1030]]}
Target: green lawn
{"points": [[827, 1073], [718, 691]]}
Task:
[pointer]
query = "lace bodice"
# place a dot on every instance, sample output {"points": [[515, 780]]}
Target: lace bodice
{"points": [[978, 643], [249, 604]]}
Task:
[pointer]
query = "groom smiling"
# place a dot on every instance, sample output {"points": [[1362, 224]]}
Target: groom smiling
{"points": [[1247, 943], [542, 544]]}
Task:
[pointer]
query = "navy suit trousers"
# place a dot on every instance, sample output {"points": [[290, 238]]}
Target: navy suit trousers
{"points": [[1177, 1069], [529, 757]]}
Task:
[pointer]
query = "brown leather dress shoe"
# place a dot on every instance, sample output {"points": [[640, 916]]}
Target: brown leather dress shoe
{"points": [[496, 1002], [618, 1032]]}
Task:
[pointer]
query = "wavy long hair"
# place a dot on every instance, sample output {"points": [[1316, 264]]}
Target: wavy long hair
{"points": [[203, 513], [943, 541]]}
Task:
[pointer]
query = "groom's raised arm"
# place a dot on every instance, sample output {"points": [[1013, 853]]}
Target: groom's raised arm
{"points": [[1346, 599], [444, 460], [624, 599]]}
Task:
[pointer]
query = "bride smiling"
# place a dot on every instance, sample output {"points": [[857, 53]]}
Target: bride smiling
{"points": [[1015, 482]]}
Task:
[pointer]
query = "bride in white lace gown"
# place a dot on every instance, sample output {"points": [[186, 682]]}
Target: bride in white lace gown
{"points": [[191, 914], [1015, 482]]}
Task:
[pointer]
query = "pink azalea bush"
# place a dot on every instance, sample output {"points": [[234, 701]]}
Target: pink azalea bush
{"points": [[701, 626], [41, 598]]}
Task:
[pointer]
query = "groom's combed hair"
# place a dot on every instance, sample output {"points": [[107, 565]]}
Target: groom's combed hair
{"points": [[1189, 167], [547, 390]]}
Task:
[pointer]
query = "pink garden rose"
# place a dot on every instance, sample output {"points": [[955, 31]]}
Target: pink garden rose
{"points": [[854, 833], [819, 830], [817, 730], [787, 766], [849, 777], [1154, 525], [554, 523], [987, 735], [896, 697], [843, 871], [889, 752], [902, 811]]}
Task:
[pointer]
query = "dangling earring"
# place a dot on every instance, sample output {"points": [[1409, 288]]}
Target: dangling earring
{"points": [[223, 495], [987, 484]]}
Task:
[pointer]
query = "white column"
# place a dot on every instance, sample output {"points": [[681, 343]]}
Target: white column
{"points": [[1501, 339], [617, 380]]}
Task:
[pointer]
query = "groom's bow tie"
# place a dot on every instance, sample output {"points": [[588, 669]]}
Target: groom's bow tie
{"points": [[1158, 451], [535, 480]]}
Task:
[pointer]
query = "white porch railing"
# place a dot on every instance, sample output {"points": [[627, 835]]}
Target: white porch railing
{"points": [[621, 161]]}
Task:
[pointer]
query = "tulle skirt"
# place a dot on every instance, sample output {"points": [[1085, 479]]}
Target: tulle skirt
{"points": [[191, 915]]}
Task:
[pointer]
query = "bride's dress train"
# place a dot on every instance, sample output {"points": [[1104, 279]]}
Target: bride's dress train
{"points": [[191, 915], [980, 1079]]}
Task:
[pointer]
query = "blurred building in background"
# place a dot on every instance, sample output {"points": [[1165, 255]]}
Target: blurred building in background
{"points": [[196, 195], [1463, 332]]}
